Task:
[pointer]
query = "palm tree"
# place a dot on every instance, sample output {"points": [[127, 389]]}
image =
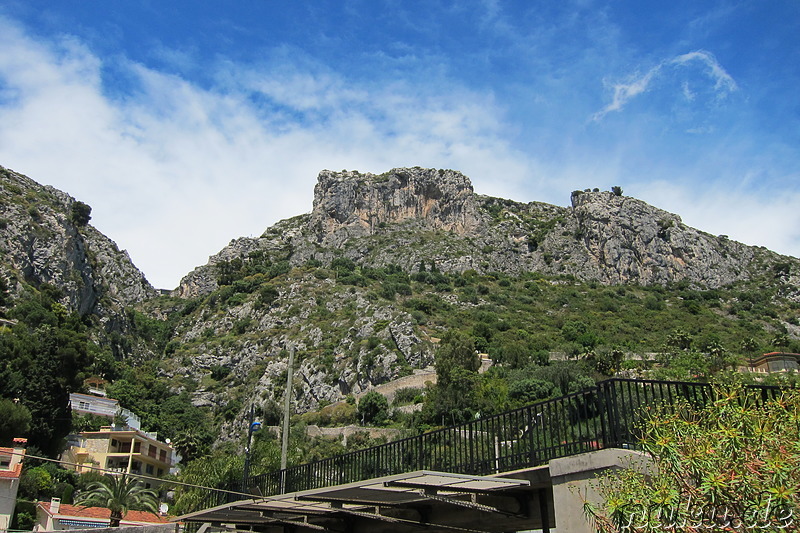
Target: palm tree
{"points": [[120, 494]]}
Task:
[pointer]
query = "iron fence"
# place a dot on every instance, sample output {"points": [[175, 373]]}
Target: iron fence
{"points": [[604, 416]]}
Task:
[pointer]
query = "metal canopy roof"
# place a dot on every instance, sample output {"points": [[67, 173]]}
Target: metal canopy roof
{"points": [[402, 499]]}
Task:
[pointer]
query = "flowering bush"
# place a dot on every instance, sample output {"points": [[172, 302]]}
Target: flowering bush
{"points": [[730, 465]]}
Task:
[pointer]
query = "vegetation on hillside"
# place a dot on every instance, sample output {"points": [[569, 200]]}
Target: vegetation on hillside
{"points": [[189, 367]]}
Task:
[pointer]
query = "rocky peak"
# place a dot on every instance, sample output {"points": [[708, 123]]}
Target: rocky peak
{"points": [[42, 243], [359, 204], [627, 240]]}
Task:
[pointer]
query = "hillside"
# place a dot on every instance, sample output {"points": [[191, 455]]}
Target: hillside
{"points": [[45, 238], [384, 266]]}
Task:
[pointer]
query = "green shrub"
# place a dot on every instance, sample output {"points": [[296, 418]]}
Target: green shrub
{"points": [[80, 213], [373, 408]]}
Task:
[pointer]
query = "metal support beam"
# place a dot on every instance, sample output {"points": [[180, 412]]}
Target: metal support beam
{"points": [[475, 506], [544, 511], [301, 524], [372, 516]]}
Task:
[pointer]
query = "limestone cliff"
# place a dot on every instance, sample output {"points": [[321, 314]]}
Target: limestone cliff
{"points": [[412, 215], [41, 243], [624, 240], [348, 204]]}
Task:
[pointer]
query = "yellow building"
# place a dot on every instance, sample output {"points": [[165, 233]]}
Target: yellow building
{"points": [[123, 450], [773, 363]]}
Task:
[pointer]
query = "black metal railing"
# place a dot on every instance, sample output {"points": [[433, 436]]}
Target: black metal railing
{"points": [[604, 416]]}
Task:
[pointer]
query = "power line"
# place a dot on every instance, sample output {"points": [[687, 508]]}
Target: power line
{"points": [[141, 476]]}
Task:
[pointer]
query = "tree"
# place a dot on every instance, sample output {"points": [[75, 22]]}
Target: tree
{"points": [[617, 190], [223, 467], [733, 463], [189, 446], [457, 365], [119, 494], [80, 214], [530, 390], [373, 408], [749, 346], [36, 483], [15, 420], [4, 298], [781, 340]]}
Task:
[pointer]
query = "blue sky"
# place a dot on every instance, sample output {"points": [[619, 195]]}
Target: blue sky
{"points": [[186, 125]]}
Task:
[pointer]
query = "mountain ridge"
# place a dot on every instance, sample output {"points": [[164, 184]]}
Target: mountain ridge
{"points": [[42, 243], [614, 238], [364, 285]]}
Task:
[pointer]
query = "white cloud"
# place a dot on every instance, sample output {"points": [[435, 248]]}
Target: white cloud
{"points": [[174, 171], [723, 82], [624, 92]]}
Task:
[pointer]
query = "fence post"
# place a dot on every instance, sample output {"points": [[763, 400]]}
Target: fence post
{"points": [[608, 418], [532, 426]]}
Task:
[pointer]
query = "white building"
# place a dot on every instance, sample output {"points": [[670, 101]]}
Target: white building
{"points": [[102, 406], [10, 470]]}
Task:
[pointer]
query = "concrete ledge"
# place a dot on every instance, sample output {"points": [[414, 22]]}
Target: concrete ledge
{"points": [[572, 478], [591, 463]]}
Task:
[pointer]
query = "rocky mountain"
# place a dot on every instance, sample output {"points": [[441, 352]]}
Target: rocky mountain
{"points": [[310, 282], [412, 215], [364, 286], [43, 242]]}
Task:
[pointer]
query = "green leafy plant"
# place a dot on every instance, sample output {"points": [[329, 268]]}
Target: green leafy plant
{"points": [[119, 494], [373, 408], [732, 463], [80, 213]]}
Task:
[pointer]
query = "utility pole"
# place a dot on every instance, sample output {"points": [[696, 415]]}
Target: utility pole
{"points": [[286, 415]]}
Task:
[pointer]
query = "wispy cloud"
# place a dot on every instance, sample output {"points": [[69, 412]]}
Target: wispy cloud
{"points": [[723, 82], [174, 171], [626, 91], [637, 84]]}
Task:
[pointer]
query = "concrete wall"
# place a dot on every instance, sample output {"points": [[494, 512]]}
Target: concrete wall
{"points": [[8, 498], [572, 477]]}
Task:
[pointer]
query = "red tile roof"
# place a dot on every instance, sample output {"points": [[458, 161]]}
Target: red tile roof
{"points": [[76, 511], [15, 472], [12, 474]]}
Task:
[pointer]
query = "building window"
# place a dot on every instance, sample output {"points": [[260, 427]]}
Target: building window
{"points": [[160, 472], [149, 469]]}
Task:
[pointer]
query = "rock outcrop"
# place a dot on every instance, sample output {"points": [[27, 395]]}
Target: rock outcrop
{"points": [[624, 240], [412, 215], [351, 204], [41, 243]]}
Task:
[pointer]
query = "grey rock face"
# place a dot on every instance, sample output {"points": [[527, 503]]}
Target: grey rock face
{"points": [[625, 240], [362, 203], [41, 244]]}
